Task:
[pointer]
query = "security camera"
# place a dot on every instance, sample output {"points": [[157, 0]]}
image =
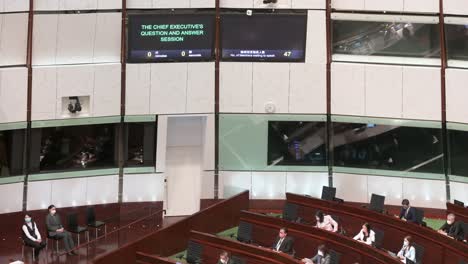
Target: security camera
{"points": [[74, 105], [270, 1], [249, 12]]}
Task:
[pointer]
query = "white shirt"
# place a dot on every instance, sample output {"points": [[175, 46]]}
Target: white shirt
{"points": [[407, 254], [279, 244], [370, 239], [36, 231]]}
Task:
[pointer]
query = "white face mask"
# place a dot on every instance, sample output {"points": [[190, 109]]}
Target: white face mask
{"points": [[320, 253], [53, 211], [27, 220], [406, 243], [449, 222]]}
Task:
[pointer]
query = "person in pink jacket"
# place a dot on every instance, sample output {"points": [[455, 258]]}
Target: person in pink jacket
{"points": [[326, 222]]}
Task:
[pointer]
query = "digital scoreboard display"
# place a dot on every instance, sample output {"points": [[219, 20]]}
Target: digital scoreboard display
{"points": [[263, 37], [170, 37]]}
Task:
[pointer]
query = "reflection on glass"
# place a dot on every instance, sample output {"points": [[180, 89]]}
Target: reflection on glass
{"points": [[11, 152], [77, 147], [457, 42], [141, 144], [296, 143], [386, 39], [458, 147], [370, 146]]}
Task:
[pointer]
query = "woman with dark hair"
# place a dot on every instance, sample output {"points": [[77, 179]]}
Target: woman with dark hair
{"points": [[322, 257], [407, 251], [31, 236], [366, 235], [326, 222]]}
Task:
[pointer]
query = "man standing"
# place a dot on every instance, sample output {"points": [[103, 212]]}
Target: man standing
{"points": [[283, 242], [56, 230]]}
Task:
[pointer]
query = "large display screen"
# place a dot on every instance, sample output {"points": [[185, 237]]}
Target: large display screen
{"points": [[170, 37], [263, 37]]}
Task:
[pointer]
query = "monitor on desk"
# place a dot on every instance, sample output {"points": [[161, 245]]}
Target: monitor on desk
{"points": [[459, 203], [377, 203], [328, 193]]}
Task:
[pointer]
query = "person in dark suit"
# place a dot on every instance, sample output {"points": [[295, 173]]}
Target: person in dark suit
{"points": [[55, 229], [283, 242], [453, 229], [322, 257], [407, 212], [224, 258], [31, 236]]}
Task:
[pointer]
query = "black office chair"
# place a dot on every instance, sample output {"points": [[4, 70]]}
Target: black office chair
{"points": [[341, 230], [24, 245], [465, 228], [74, 228], [54, 239], [419, 216], [335, 257], [194, 253], [237, 260], [419, 253], [377, 203], [91, 221], [290, 212], [379, 237], [244, 232]]}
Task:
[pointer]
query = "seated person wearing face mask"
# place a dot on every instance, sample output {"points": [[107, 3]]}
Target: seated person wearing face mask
{"points": [[326, 222], [322, 257], [55, 229], [31, 236], [407, 251], [224, 258], [452, 229], [366, 235]]}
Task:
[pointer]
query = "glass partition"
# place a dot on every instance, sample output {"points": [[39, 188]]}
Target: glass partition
{"points": [[402, 39], [74, 148], [388, 147], [141, 144], [295, 143], [11, 152], [272, 142], [458, 152], [457, 42]]}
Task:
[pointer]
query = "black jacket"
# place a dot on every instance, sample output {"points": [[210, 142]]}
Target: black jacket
{"points": [[411, 216], [455, 230], [287, 246]]}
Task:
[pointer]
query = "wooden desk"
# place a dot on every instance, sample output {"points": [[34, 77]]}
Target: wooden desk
{"points": [[437, 248], [460, 212], [172, 239], [308, 238], [213, 246], [144, 258]]}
